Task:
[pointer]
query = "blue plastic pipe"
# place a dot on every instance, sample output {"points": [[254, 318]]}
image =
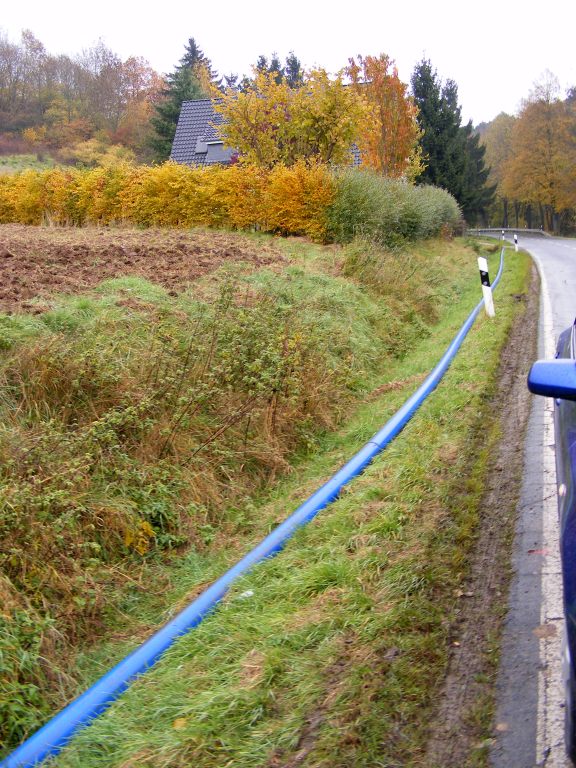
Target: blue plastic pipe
{"points": [[53, 736]]}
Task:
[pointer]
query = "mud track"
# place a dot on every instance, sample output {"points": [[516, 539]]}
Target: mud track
{"points": [[459, 732]]}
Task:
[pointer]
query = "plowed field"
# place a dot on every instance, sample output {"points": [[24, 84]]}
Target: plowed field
{"points": [[38, 262]]}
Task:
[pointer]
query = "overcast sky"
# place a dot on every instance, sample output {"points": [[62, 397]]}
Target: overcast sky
{"points": [[495, 51]]}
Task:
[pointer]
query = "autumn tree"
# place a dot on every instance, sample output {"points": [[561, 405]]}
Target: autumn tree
{"points": [[134, 128], [102, 87], [190, 80], [271, 122], [24, 81], [61, 101], [389, 137], [497, 139], [542, 165]]}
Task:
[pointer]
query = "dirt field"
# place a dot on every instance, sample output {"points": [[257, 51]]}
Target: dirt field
{"points": [[38, 262]]}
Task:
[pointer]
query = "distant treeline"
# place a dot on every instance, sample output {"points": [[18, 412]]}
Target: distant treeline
{"points": [[532, 160], [94, 108]]}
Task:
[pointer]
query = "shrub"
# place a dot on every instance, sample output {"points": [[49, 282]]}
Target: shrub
{"points": [[387, 211], [23, 706], [297, 198], [304, 199], [115, 421]]}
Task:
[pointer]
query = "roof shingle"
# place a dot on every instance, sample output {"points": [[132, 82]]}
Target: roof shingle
{"points": [[197, 128]]}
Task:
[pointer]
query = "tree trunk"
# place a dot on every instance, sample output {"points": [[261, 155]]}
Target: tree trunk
{"points": [[542, 217]]}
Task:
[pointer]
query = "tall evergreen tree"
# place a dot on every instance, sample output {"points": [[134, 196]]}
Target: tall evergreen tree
{"points": [[184, 84], [453, 156], [291, 72], [439, 120]]}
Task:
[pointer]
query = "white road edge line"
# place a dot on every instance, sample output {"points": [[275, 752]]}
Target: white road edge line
{"points": [[550, 748]]}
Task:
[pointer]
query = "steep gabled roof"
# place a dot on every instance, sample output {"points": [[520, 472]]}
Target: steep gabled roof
{"points": [[197, 140]]}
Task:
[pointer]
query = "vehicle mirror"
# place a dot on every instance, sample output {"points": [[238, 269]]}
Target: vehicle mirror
{"points": [[553, 378]]}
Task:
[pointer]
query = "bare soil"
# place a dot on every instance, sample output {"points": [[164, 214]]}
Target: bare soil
{"points": [[460, 734], [38, 262]]}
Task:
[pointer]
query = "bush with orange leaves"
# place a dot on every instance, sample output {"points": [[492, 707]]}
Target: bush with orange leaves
{"points": [[286, 200], [297, 200], [308, 199]]}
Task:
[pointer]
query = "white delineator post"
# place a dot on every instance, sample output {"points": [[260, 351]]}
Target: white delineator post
{"points": [[516, 243], [486, 289]]}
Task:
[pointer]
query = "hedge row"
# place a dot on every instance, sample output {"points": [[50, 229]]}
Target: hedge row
{"points": [[299, 200], [388, 211]]}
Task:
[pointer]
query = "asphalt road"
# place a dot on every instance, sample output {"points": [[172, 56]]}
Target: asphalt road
{"points": [[530, 718]]}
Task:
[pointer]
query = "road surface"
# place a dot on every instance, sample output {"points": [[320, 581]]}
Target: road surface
{"points": [[530, 717]]}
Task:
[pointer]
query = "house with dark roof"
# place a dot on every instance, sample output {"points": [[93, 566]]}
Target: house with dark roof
{"points": [[197, 140]]}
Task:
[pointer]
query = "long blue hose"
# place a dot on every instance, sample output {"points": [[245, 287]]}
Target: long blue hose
{"points": [[53, 736]]}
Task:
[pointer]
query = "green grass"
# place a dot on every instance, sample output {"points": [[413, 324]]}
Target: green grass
{"points": [[141, 429], [334, 659], [17, 163]]}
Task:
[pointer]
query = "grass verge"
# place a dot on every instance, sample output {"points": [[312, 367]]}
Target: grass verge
{"points": [[329, 655], [140, 423]]}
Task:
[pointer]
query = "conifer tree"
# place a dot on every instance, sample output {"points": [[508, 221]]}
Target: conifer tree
{"points": [[291, 73], [476, 194], [184, 84], [452, 154]]}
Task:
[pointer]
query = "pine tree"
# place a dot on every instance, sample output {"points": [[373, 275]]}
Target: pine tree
{"points": [[291, 72], [184, 84], [439, 120], [452, 154]]}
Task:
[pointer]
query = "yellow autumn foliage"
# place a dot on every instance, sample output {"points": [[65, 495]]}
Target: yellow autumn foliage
{"points": [[288, 200], [139, 538], [297, 198]]}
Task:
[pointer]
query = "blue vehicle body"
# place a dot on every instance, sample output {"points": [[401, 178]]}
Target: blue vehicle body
{"points": [[557, 379]]}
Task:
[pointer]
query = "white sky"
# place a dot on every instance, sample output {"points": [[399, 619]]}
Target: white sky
{"points": [[494, 50]]}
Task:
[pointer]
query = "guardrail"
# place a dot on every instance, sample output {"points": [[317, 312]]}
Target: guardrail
{"points": [[54, 736], [498, 231]]}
